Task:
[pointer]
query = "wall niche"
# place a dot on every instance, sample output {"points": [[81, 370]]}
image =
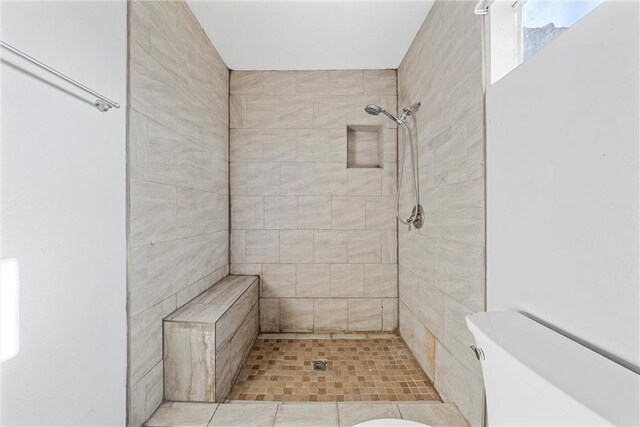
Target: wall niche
{"points": [[365, 146]]}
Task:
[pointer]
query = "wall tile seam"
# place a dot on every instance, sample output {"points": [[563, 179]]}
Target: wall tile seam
{"points": [[305, 127], [292, 162], [244, 97], [314, 230], [317, 195], [213, 153], [180, 187], [211, 273], [218, 59], [332, 297], [178, 239], [176, 77], [143, 378], [200, 144], [187, 80], [173, 295], [188, 284], [324, 92]]}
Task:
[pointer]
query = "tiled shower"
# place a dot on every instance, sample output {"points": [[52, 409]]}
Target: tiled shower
{"points": [[282, 174], [319, 213], [321, 234]]}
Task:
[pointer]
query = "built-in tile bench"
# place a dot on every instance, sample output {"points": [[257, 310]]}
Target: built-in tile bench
{"points": [[207, 339]]}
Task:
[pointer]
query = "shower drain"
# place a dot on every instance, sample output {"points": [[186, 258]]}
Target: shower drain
{"points": [[320, 365]]}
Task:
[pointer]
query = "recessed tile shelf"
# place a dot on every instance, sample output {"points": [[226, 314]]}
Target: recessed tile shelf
{"points": [[365, 146]]}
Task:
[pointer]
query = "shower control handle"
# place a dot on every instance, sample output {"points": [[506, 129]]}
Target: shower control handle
{"points": [[417, 216]]}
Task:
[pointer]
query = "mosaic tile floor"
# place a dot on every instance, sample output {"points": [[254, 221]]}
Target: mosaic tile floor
{"points": [[369, 369]]}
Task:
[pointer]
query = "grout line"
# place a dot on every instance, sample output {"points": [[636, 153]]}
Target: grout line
{"points": [[214, 412], [399, 411], [275, 417]]}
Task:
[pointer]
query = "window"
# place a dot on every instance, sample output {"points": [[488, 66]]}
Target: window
{"points": [[520, 28], [544, 20]]}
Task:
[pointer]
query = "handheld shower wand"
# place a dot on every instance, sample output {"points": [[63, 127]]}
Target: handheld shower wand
{"points": [[416, 218]]}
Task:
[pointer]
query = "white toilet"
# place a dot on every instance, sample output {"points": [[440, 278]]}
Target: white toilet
{"points": [[536, 376]]}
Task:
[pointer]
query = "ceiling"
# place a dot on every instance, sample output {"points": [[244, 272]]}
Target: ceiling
{"points": [[311, 35]]}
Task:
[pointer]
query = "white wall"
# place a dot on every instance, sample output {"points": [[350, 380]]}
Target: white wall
{"points": [[562, 184], [63, 214], [311, 35]]}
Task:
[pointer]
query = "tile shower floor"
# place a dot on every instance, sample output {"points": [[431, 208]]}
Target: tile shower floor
{"points": [[373, 367]]}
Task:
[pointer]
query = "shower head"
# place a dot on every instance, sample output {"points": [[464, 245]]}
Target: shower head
{"points": [[411, 109], [374, 110]]}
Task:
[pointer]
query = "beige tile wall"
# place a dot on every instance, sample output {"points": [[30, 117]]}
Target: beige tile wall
{"points": [[441, 277], [178, 181], [322, 237]]}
